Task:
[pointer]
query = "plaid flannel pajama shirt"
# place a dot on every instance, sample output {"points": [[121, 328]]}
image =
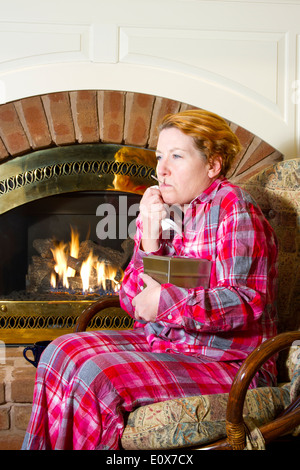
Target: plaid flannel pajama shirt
{"points": [[87, 382]]}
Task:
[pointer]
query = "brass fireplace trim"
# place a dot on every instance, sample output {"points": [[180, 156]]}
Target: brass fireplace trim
{"points": [[70, 169], [26, 322]]}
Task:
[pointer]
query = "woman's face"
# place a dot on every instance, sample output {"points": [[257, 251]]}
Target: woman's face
{"points": [[181, 167]]}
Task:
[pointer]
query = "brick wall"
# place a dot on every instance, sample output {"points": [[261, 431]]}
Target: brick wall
{"points": [[16, 392], [91, 116]]}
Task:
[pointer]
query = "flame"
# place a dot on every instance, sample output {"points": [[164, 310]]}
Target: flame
{"points": [[105, 272], [101, 274], [74, 250], [53, 280], [61, 267], [91, 267], [85, 272]]}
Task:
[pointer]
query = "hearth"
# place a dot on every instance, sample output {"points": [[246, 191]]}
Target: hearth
{"points": [[68, 237]]}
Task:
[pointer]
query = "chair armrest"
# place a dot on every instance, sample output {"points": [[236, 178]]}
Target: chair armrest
{"points": [[87, 314], [235, 426]]}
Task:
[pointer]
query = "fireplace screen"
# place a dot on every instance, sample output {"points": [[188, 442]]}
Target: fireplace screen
{"points": [[68, 217]]}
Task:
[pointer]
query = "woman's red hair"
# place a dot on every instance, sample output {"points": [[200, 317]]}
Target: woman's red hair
{"points": [[211, 133]]}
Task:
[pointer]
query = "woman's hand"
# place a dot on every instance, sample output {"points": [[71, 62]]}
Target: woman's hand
{"points": [[146, 303], [152, 211]]}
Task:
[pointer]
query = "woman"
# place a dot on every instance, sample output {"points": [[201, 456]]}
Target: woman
{"points": [[185, 341]]}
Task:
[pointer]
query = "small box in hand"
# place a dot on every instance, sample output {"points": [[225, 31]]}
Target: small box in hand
{"points": [[180, 271]]}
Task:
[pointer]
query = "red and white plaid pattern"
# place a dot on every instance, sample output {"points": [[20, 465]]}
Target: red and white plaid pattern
{"points": [[237, 313], [87, 382]]}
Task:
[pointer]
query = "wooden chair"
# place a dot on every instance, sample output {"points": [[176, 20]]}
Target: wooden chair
{"points": [[227, 420]]}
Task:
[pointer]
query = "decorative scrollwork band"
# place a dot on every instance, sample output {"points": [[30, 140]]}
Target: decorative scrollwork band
{"points": [[37, 322], [75, 168]]}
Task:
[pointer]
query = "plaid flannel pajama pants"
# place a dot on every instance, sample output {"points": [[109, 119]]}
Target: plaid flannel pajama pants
{"points": [[87, 382]]}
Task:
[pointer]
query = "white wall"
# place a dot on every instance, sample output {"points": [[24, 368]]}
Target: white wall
{"points": [[237, 58]]}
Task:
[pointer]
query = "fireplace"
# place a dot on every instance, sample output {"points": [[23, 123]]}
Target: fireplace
{"points": [[64, 158], [67, 228]]}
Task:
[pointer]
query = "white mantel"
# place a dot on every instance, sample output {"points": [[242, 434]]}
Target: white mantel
{"points": [[237, 58]]}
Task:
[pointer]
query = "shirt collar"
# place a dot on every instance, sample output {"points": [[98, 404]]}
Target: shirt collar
{"points": [[209, 193]]}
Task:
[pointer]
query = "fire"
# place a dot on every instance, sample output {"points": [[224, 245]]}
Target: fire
{"points": [[85, 272], [92, 272], [106, 272], [53, 280], [74, 250], [61, 267]]}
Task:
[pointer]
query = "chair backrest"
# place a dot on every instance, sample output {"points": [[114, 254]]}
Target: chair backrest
{"points": [[277, 191]]}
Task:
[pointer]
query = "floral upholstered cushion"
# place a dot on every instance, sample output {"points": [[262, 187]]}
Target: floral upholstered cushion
{"points": [[295, 371], [197, 420], [277, 191]]}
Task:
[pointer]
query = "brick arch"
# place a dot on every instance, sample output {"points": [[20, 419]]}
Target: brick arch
{"points": [[92, 116]]}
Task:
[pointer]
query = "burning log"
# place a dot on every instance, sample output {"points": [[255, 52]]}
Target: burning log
{"points": [[107, 254], [44, 247], [75, 283], [74, 263], [38, 273], [77, 267]]}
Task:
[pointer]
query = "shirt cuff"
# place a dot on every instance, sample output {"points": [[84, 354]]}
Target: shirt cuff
{"points": [[140, 254], [158, 252], [172, 303]]}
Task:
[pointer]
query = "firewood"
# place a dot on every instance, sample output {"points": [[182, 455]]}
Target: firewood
{"points": [[74, 263], [75, 283], [44, 246]]}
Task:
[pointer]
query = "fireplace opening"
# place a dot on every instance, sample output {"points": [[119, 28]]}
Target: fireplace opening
{"points": [[87, 192], [33, 233]]}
